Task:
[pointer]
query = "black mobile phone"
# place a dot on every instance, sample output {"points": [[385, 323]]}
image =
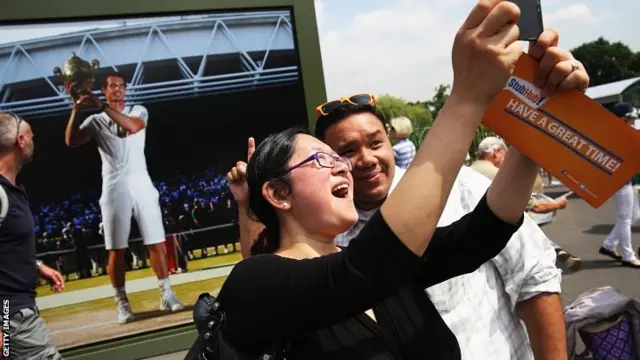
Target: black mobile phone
{"points": [[530, 22]]}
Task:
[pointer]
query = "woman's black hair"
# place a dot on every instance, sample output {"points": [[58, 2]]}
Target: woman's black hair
{"points": [[270, 162]]}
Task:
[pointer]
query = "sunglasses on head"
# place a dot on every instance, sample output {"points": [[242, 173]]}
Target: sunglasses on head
{"points": [[359, 99]]}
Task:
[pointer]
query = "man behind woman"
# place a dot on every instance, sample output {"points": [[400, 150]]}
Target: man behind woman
{"points": [[367, 300]]}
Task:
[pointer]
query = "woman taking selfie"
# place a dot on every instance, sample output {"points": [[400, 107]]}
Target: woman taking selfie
{"points": [[367, 301]]}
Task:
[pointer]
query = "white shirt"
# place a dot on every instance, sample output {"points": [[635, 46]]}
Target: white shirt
{"points": [[123, 158], [480, 308], [404, 151]]}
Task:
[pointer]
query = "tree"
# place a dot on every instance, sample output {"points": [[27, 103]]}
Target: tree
{"points": [[437, 102], [635, 62], [420, 116], [608, 62], [435, 105], [423, 113]]}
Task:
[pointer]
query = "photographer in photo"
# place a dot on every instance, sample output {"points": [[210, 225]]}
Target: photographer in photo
{"points": [[28, 336]]}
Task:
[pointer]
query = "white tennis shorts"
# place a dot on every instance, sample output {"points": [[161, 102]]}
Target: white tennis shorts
{"points": [[118, 205]]}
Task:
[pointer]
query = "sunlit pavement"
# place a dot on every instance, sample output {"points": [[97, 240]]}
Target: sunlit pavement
{"points": [[580, 229]]}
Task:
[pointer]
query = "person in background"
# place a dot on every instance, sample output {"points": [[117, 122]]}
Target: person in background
{"points": [[172, 229], [627, 207], [550, 179], [83, 262], [185, 224], [404, 150], [50, 245], [230, 217], [491, 152], [199, 218], [68, 236], [19, 268]]}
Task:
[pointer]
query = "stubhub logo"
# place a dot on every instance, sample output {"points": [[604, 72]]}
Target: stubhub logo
{"points": [[526, 91]]}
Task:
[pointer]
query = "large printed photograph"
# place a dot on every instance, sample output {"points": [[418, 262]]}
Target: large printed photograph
{"points": [[136, 122]]}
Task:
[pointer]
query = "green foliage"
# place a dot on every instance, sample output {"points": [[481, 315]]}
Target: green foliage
{"points": [[439, 99], [608, 62], [420, 116], [434, 106], [605, 62]]}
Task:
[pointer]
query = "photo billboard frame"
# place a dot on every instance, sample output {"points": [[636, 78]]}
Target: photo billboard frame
{"points": [[18, 12]]}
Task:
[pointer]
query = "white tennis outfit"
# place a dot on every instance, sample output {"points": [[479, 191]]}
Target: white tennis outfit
{"points": [[627, 213], [127, 189]]}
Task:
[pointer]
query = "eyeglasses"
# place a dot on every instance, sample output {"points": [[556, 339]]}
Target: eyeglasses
{"points": [[359, 99], [324, 160]]}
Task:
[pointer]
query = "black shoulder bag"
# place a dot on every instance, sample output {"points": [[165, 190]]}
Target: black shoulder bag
{"points": [[209, 317]]}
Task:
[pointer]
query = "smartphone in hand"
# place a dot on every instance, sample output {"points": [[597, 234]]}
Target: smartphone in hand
{"points": [[530, 22]]}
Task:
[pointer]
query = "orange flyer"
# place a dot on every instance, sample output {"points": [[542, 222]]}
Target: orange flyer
{"points": [[576, 139]]}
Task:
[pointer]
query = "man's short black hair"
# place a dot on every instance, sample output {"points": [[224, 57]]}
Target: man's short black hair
{"points": [[342, 112], [105, 80]]}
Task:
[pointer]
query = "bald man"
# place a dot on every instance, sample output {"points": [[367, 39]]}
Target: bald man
{"points": [[27, 336], [491, 153]]}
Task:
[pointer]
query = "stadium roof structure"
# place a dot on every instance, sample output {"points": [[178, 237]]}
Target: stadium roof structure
{"points": [[303, 26], [159, 59], [611, 90]]}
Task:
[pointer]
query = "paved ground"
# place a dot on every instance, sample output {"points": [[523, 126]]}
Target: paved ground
{"points": [[581, 229]]}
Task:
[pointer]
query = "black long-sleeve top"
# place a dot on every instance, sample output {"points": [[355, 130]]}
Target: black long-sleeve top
{"points": [[319, 304]]}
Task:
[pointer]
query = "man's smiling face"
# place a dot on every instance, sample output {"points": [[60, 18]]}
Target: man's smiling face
{"points": [[362, 138]]}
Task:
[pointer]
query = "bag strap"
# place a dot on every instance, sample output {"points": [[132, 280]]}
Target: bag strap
{"points": [[4, 204]]}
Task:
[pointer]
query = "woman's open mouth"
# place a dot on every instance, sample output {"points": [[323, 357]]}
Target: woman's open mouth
{"points": [[340, 191]]}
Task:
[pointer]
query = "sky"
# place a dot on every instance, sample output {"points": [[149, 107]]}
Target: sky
{"points": [[403, 47]]}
